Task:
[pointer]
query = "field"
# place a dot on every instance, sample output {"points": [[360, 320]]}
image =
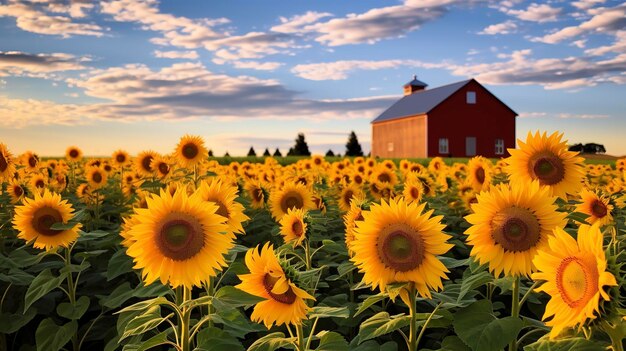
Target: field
{"points": [[186, 252]]}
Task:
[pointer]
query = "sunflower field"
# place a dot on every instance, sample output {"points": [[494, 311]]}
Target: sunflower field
{"points": [[179, 252]]}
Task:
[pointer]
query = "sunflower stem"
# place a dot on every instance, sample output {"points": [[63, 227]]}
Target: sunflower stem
{"points": [[307, 254], [300, 335], [515, 306], [527, 295], [210, 289], [183, 294], [413, 326], [430, 317], [71, 291]]}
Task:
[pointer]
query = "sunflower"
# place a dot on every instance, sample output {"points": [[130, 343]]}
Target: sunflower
{"points": [[352, 191], [575, 275], [256, 193], [479, 173], [509, 224], [292, 227], [224, 195], [190, 151], [143, 163], [7, 165], [38, 183], [73, 154], [596, 206], [17, 191], [161, 166], [383, 174], [290, 196], [34, 218], [120, 158], [397, 242], [436, 165], [284, 302], [413, 190], [349, 219], [178, 240], [546, 159], [96, 177], [30, 160]]}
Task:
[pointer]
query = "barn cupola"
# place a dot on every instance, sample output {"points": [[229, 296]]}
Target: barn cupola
{"points": [[414, 86]]}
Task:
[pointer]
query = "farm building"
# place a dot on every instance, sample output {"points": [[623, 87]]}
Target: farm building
{"points": [[462, 119]]}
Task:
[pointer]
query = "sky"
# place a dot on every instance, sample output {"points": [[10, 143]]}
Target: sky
{"points": [[139, 74]]}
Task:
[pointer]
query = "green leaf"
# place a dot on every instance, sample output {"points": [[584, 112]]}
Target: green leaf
{"points": [[20, 258], [17, 277], [51, 337], [10, 323], [453, 343], [119, 264], [331, 341], [472, 282], [573, 344], [41, 285], [159, 339], [233, 297], [372, 345], [148, 320], [578, 217], [88, 254], [147, 304], [117, 297], [64, 226], [214, 339], [334, 312], [69, 311], [95, 235], [271, 342], [381, 324], [369, 301], [150, 184], [479, 328]]}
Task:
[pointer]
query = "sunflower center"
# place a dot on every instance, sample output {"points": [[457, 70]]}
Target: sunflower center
{"points": [[516, 229], [480, 175], [164, 168], [73, 153], [358, 179], [548, 168], [32, 161], [297, 228], [400, 247], [384, 177], [97, 177], [347, 196], [222, 210], [598, 209], [576, 281], [291, 200], [145, 163], [3, 163], [44, 218], [257, 194], [288, 297], [190, 151], [18, 191], [120, 158], [40, 183], [415, 193], [180, 237]]}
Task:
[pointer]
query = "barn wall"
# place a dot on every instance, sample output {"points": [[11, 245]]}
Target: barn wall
{"points": [[408, 136], [487, 120]]}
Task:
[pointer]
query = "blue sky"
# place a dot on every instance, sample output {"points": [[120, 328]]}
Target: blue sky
{"points": [[139, 74]]}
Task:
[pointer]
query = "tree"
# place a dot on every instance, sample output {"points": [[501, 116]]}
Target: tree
{"points": [[277, 153], [210, 153], [593, 148], [226, 154], [301, 148], [330, 153], [290, 152], [251, 152], [353, 148], [266, 152], [576, 147]]}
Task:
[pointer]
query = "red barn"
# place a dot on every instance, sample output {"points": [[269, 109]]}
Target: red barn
{"points": [[462, 119]]}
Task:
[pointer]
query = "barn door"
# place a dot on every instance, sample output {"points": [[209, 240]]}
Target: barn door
{"points": [[470, 146]]}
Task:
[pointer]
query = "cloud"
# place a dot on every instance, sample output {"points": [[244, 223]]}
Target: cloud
{"points": [[586, 4], [536, 13], [16, 63], [297, 24], [339, 70], [191, 55], [19, 113], [507, 27], [259, 66], [561, 115], [618, 46], [33, 18], [604, 20]]}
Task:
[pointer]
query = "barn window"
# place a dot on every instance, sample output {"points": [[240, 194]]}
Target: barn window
{"points": [[471, 97], [499, 146], [443, 145], [390, 147]]}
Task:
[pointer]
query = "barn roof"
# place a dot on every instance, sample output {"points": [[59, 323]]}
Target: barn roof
{"points": [[420, 102]]}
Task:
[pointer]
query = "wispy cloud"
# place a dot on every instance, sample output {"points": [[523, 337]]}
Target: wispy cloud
{"points": [[16, 63], [536, 13], [562, 115], [339, 70], [191, 54], [507, 27]]}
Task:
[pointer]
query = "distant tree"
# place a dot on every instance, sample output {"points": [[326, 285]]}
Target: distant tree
{"points": [[226, 154], [330, 153], [277, 153], [266, 152], [593, 148], [353, 148], [210, 153], [301, 148], [576, 147], [290, 152], [251, 152]]}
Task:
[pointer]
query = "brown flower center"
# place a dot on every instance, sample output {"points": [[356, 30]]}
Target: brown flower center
{"points": [[598, 209], [480, 175], [190, 151], [44, 218], [164, 168], [415, 193], [145, 163], [576, 281], [73, 153], [516, 229], [297, 228], [548, 168], [180, 236], [287, 298], [347, 196], [384, 177], [4, 164], [222, 210], [40, 183], [32, 161], [291, 199], [257, 194], [18, 191], [97, 177], [400, 247], [120, 158]]}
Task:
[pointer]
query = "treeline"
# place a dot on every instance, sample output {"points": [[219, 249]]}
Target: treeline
{"points": [[301, 148], [590, 148]]}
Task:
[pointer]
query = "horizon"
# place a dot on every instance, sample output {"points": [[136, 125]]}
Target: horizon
{"points": [[140, 74]]}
